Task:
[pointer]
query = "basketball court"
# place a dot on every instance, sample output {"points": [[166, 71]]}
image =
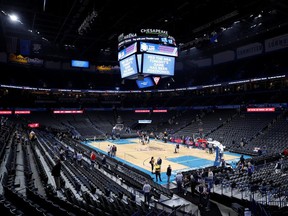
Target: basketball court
{"points": [[133, 152]]}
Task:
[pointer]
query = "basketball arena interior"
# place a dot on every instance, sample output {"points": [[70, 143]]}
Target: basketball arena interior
{"points": [[91, 91]]}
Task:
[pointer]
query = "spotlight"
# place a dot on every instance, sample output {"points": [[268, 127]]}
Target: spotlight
{"points": [[14, 18]]}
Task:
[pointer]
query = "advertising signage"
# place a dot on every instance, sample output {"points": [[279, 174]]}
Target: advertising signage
{"points": [[158, 49]]}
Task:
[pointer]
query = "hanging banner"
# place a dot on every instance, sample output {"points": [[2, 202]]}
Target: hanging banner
{"points": [[276, 43], [249, 50]]}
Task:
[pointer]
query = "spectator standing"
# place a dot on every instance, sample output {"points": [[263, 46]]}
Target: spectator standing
{"points": [[75, 157], [158, 172], [193, 184], [56, 173], [79, 158], [210, 147], [159, 161], [67, 152], [168, 173], [250, 169], [210, 178], [185, 184], [242, 160], [92, 158], [223, 163], [103, 160], [146, 190], [62, 154], [203, 192], [109, 150], [114, 150], [278, 166], [152, 162], [177, 147], [179, 181]]}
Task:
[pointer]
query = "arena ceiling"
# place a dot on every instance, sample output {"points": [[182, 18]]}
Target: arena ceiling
{"points": [[58, 23]]}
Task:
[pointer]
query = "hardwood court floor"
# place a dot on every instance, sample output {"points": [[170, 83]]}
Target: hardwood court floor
{"points": [[132, 151]]}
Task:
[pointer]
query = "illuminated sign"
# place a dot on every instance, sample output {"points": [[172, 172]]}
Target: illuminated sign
{"points": [[5, 112], [144, 121], [68, 111], [18, 59], [128, 36], [154, 31], [80, 64], [22, 112], [142, 111], [156, 80], [264, 109], [147, 82], [104, 68], [160, 111], [24, 60], [33, 125]]}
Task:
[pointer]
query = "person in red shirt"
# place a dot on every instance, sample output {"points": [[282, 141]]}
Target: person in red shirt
{"points": [[92, 158]]}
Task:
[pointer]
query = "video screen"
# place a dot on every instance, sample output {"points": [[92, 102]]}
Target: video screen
{"points": [[145, 121], [128, 66], [158, 64], [127, 51], [80, 64], [158, 49], [147, 82]]}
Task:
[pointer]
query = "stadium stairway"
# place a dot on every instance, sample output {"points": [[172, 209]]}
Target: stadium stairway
{"points": [[216, 209]]}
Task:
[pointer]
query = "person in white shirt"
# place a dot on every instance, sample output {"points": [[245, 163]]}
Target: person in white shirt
{"points": [[210, 178], [210, 174], [79, 158], [146, 190]]}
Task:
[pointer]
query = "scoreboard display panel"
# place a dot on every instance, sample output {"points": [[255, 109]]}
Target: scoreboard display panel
{"points": [[128, 66], [158, 64]]}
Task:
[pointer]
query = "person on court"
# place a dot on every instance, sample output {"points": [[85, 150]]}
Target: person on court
{"points": [[158, 172], [152, 162], [168, 173]]}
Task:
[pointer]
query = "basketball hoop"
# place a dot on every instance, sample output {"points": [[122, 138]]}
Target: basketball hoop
{"points": [[119, 127]]}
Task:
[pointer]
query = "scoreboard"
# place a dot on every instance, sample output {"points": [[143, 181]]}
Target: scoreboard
{"points": [[147, 59], [148, 55]]}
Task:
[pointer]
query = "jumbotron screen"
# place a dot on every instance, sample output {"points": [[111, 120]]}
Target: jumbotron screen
{"points": [[158, 64], [128, 66], [158, 49], [127, 51]]}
